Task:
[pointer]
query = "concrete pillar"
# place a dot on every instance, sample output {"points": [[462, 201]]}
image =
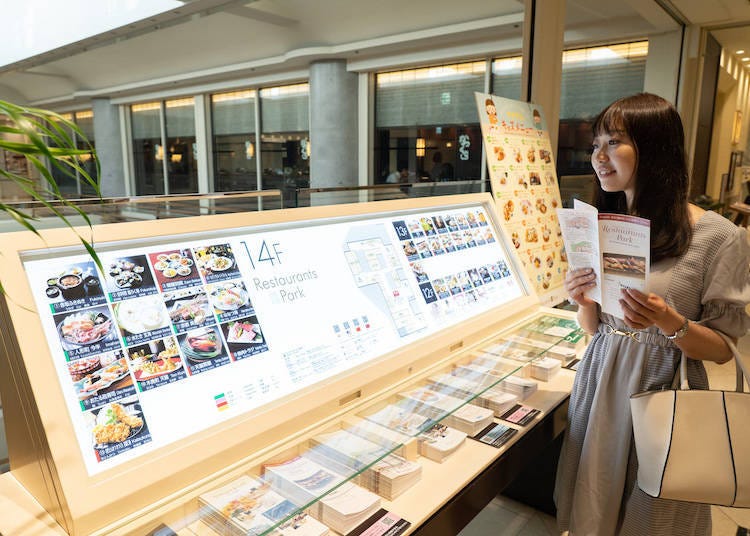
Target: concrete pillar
{"points": [[544, 25], [333, 127], [109, 147], [663, 65]]}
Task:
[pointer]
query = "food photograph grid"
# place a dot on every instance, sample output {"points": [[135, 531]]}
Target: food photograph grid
{"points": [[148, 321]]}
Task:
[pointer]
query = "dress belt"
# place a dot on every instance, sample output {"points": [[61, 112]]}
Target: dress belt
{"points": [[642, 337]]}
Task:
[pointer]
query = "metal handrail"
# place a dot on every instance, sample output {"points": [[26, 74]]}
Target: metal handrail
{"points": [[145, 199], [119, 209]]}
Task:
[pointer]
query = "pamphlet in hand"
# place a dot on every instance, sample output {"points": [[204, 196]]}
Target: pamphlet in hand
{"points": [[616, 246]]}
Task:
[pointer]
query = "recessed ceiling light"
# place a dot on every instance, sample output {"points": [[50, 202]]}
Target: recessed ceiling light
{"points": [[745, 59], [740, 52]]}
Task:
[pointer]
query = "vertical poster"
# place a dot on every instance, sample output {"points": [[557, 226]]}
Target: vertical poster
{"points": [[524, 186]]}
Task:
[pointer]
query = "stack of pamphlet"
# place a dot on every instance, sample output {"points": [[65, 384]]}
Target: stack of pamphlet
{"points": [[402, 417], [395, 442], [248, 507], [455, 412], [497, 366], [545, 369], [465, 383], [510, 350], [547, 347], [436, 441], [387, 475], [439, 442], [303, 480], [521, 387]]}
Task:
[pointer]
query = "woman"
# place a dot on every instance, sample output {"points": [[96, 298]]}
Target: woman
{"points": [[698, 285]]}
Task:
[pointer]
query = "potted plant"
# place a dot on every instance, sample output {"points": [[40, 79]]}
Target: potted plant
{"points": [[43, 138]]}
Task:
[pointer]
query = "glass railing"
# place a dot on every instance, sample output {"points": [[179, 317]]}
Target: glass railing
{"points": [[122, 209]]}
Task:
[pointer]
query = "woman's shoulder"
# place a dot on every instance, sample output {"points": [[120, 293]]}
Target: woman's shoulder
{"points": [[712, 222]]}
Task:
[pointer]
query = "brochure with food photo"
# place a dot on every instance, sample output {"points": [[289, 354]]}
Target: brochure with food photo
{"points": [[247, 506], [189, 308], [100, 379], [86, 332], [174, 269], [244, 338], [216, 263], [128, 277], [142, 319], [616, 246], [117, 427], [203, 349], [156, 363], [73, 287], [230, 300]]}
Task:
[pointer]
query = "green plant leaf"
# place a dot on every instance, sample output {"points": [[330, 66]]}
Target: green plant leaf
{"points": [[50, 141]]}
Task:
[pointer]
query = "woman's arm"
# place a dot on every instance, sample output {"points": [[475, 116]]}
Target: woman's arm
{"points": [[577, 282], [698, 342]]}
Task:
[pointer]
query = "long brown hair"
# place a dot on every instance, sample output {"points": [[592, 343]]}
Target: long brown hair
{"points": [[661, 176]]}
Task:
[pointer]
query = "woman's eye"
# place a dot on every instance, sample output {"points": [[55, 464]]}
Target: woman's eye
{"points": [[614, 142]]}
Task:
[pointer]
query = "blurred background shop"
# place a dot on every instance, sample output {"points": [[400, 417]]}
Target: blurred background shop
{"points": [[210, 96]]}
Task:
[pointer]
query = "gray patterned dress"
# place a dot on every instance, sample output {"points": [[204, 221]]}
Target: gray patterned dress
{"points": [[596, 491]]}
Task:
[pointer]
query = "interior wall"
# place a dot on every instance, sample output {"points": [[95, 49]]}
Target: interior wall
{"points": [[731, 98], [726, 92]]}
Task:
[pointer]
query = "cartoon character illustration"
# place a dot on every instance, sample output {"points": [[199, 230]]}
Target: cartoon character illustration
{"points": [[489, 107]]}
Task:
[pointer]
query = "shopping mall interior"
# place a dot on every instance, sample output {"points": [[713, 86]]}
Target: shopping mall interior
{"points": [[224, 106]]}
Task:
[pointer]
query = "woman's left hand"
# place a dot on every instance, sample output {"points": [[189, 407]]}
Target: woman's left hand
{"points": [[643, 310]]}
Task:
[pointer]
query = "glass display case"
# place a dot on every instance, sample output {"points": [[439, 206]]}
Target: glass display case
{"points": [[291, 372]]}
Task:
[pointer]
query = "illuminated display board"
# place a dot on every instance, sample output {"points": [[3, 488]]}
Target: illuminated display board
{"points": [[210, 328]]}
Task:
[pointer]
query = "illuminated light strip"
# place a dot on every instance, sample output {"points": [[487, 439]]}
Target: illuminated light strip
{"points": [[431, 73], [233, 96], [177, 103], [285, 91], [145, 107], [624, 52]]}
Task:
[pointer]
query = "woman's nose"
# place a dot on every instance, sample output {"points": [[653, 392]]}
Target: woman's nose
{"points": [[599, 154]]}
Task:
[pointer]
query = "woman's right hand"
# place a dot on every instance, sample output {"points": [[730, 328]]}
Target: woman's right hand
{"points": [[577, 283]]}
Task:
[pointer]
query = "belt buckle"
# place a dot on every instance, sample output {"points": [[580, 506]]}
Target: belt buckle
{"points": [[635, 335]]}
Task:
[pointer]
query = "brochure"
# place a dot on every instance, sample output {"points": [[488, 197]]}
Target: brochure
{"points": [[616, 246]]}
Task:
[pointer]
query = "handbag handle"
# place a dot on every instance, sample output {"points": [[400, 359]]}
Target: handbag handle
{"points": [[742, 366]]}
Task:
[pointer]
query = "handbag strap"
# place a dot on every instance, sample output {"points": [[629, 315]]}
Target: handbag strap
{"points": [[741, 365]]}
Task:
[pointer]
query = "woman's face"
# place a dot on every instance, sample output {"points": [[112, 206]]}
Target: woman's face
{"points": [[614, 160]]}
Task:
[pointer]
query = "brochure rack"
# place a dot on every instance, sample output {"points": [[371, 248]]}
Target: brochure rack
{"points": [[205, 355]]}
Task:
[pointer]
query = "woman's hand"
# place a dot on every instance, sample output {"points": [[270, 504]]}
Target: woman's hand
{"points": [[577, 283], [644, 310]]}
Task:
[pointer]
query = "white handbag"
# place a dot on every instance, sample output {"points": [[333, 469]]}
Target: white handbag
{"points": [[694, 445]]}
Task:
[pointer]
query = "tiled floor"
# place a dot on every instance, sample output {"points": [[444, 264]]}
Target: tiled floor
{"points": [[506, 517]]}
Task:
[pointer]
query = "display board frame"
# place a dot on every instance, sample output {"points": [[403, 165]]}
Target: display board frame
{"points": [[49, 465]]}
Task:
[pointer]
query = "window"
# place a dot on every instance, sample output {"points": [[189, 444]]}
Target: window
{"points": [[426, 121], [618, 70], [506, 77], [68, 185], [181, 153], [148, 148], [164, 163], [285, 139], [234, 142]]}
